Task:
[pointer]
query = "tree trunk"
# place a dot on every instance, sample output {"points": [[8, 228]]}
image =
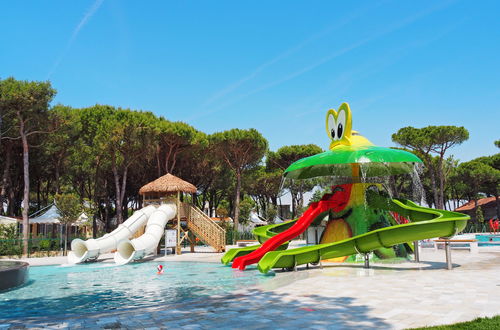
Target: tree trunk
{"points": [[6, 174], [118, 192], [11, 206], [167, 159], [237, 200], [57, 175], [38, 199], [66, 239], [158, 162], [26, 176], [94, 225]]}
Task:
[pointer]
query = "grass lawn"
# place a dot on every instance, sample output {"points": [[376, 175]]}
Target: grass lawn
{"points": [[482, 323]]}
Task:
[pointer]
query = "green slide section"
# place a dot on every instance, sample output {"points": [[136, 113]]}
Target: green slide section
{"points": [[425, 223], [262, 234]]}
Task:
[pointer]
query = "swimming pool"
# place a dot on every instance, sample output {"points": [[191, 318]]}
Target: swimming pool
{"points": [[75, 290], [488, 240]]}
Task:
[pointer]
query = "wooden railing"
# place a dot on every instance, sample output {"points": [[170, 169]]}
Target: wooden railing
{"points": [[204, 227]]}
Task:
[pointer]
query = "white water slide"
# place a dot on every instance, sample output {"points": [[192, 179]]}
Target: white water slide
{"points": [[138, 248], [82, 251]]}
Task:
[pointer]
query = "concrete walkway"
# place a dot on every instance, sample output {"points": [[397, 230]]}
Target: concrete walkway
{"points": [[387, 296]]}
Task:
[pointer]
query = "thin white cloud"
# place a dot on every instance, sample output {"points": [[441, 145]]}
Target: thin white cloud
{"points": [[88, 15], [391, 28], [337, 25]]}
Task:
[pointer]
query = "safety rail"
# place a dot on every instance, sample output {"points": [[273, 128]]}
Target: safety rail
{"points": [[204, 227]]}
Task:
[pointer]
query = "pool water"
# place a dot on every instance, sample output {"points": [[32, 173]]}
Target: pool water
{"points": [[60, 290], [488, 240]]}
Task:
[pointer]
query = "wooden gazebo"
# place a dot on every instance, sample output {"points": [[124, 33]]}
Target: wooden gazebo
{"points": [[167, 188]]}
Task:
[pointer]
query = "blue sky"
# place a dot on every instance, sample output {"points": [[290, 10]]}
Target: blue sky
{"points": [[277, 66]]}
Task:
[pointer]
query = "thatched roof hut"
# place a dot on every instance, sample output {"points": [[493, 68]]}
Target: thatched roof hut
{"points": [[166, 185]]}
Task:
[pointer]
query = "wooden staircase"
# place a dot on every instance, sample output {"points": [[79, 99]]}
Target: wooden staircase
{"points": [[204, 227]]}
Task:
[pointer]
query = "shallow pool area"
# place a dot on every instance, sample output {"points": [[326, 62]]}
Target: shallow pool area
{"points": [[488, 240], [100, 287]]}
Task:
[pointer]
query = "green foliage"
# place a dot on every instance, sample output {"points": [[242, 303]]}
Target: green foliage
{"points": [[69, 207], [241, 150], [479, 215], [20, 100], [432, 139], [232, 236], [174, 138], [287, 155], [270, 213], [104, 154], [497, 143], [478, 176], [10, 245], [482, 323], [8, 231], [318, 194], [46, 244], [246, 206], [282, 159]]}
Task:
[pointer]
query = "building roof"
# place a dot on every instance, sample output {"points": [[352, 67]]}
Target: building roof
{"points": [[51, 216], [471, 205], [167, 184], [7, 220]]}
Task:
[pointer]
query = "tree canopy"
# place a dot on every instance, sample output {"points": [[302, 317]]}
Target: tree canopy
{"points": [[241, 150], [103, 154], [432, 139]]}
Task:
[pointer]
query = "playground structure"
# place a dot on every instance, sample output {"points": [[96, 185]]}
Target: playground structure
{"points": [[357, 217], [162, 206]]}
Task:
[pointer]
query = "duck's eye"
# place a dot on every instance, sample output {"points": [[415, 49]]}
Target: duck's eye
{"points": [[340, 130], [331, 126], [341, 118]]}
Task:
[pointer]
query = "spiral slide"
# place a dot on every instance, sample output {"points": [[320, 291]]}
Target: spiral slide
{"points": [[130, 250], [426, 223], [82, 251]]}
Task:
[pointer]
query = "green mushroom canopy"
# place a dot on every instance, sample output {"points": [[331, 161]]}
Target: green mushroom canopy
{"points": [[373, 162]]}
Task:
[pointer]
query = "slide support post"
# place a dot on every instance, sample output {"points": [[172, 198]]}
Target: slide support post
{"points": [[367, 260], [416, 251], [449, 265]]}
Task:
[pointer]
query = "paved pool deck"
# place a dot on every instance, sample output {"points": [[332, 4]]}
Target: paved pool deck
{"points": [[338, 296]]}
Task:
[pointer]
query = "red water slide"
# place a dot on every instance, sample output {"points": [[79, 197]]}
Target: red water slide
{"points": [[336, 202]]}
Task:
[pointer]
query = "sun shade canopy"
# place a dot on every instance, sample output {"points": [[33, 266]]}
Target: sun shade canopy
{"points": [[374, 161]]}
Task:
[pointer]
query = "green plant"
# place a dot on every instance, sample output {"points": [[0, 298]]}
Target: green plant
{"points": [[45, 244], [271, 213], [479, 215], [246, 206], [482, 323]]}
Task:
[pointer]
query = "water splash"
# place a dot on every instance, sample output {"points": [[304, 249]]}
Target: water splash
{"points": [[418, 188]]}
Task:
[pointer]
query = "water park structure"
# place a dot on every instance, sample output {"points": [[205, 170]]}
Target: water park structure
{"points": [[357, 216], [161, 204]]}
